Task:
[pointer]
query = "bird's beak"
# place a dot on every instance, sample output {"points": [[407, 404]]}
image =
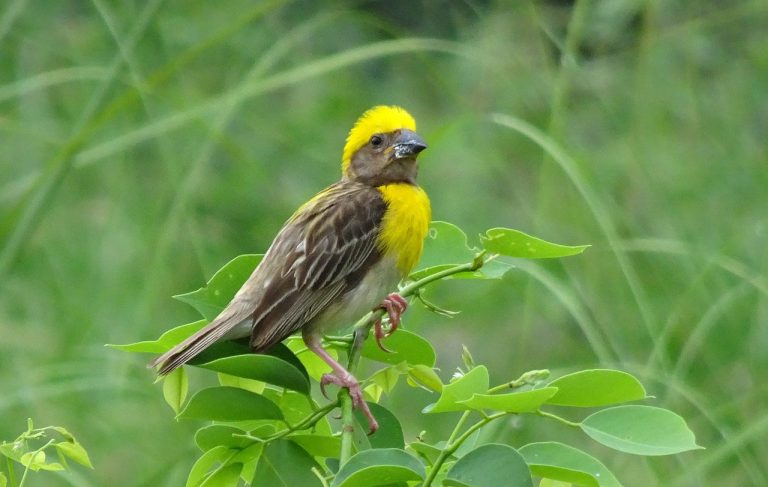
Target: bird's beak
{"points": [[408, 144]]}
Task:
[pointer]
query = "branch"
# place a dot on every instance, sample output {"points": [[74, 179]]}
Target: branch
{"points": [[452, 446], [363, 327]]}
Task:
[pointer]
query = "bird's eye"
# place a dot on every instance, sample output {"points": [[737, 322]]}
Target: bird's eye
{"points": [[376, 141]]}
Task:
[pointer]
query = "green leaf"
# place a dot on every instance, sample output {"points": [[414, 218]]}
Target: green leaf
{"points": [[426, 451], [557, 461], [229, 404], [406, 346], [596, 387], [37, 460], [74, 451], [175, 388], [214, 435], [425, 376], [3, 480], [248, 384], [314, 365], [389, 434], [383, 466], [226, 476], [14, 450], [210, 299], [285, 464], [249, 454], [296, 407], [318, 445], [446, 246], [514, 243], [166, 341], [513, 402], [263, 368], [640, 430], [205, 463], [384, 380], [490, 465], [473, 382]]}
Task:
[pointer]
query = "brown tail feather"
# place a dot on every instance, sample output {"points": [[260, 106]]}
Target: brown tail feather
{"points": [[195, 344]]}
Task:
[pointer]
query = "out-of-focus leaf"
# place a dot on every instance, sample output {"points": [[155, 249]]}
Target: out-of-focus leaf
{"points": [[210, 299], [557, 461], [264, 368], [37, 460], [406, 346], [377, 467], [514, 243], [640, 430], [229, 404], [285, 464], [490, 465], [473, 382], [175, 388], [74, 451], [513, 402]]}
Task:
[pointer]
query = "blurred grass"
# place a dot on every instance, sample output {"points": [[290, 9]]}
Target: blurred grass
{"points": [[144, 144]]}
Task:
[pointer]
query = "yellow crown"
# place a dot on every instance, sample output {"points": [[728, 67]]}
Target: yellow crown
{"points": [[378, 120]]}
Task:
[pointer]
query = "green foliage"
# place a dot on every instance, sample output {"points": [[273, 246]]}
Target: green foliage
{"points": [[269, 431], [32, 450], [143, 144]]}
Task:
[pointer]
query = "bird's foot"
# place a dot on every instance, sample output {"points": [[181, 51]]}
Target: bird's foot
{"points": [[349, 382], [395, 305]]}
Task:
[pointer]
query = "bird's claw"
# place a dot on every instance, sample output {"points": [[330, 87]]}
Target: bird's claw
{"points": [[394, 305], [353, 386]]}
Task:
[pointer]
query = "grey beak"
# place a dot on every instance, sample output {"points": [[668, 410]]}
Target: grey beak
{"points": [[408, 144]]}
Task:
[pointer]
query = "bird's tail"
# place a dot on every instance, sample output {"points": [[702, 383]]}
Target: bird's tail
{"points": [[213, 332]]}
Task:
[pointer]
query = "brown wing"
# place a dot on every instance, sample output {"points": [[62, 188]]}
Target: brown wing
{"points": [[322, 252]]}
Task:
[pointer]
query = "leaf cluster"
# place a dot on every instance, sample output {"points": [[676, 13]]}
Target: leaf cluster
{"points": [[265, 427], [32, 449]]}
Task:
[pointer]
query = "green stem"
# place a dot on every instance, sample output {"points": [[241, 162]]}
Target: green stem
{"points": [[528, 378], [301, 425], [361, 330], [452, 446], [558, 418], [11, 472], [32, 459]]}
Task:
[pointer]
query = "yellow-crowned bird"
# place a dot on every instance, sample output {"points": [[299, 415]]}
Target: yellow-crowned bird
{"points": [[341, 254]]}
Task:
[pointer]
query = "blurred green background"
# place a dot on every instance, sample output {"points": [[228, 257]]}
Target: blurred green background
{"points": [[145, 143]]}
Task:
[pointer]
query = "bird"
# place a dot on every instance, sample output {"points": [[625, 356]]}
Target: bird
{"points": [[341, 254]]}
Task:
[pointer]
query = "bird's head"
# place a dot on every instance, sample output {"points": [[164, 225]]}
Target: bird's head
{"points": [[382, 147]]}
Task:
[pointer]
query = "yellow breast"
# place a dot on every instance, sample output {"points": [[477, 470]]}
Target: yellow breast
{"points": [[405, 224]]}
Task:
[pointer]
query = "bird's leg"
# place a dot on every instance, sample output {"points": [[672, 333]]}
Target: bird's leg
{"points": [[340, 377], [395, 305]]}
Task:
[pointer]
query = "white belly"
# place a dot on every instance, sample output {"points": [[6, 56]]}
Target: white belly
{"points": [[375, 286]]}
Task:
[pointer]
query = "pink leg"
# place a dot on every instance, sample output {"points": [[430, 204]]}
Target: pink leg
{"points": [[342, 378], [395, 305]]}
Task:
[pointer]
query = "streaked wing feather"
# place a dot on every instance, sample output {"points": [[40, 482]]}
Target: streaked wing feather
{"points": [[320, 254]]}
